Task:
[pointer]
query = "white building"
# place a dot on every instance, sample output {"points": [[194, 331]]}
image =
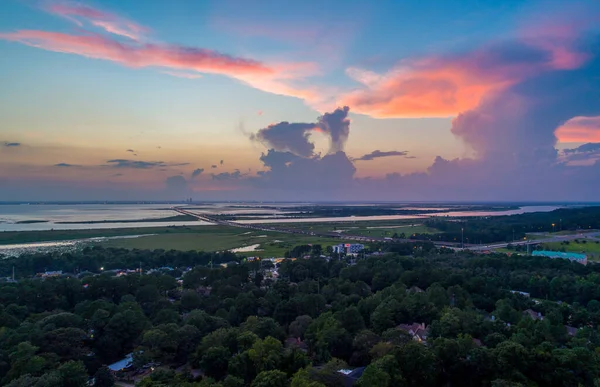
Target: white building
{"points": [[348, 248]]}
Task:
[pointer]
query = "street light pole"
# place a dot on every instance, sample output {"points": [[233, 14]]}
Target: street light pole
{"points": [[462, 237]]}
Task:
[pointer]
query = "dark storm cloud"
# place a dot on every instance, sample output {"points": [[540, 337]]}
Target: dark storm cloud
{"points": [[12, 144], [377, 154], [197, 172], [135, 164]]}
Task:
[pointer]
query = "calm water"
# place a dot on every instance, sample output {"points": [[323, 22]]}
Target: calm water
{"points": [[10, 215]]}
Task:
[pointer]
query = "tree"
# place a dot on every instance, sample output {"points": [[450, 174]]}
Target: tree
{"points": [[215, 362], [266, 354], [73, 374], [103, 378], [273, 378], [299, 326]]}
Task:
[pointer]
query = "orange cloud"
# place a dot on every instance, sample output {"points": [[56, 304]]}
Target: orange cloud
{"points": [[579, 129]]}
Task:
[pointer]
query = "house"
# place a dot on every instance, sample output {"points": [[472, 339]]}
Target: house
{"points": [[295, 342], [416, 330], [351, 376], [524, 294], [571, 331], [122, 365], [348, 248], [533, 314]]}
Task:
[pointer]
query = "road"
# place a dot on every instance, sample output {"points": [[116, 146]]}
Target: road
{"points": [[259, 227], [357, 238]]}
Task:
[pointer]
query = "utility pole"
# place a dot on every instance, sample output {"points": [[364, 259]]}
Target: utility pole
{"points": [[513, 235], [462, 237], [13, 276]]}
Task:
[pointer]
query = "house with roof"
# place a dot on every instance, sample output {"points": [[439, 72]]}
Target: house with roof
{"points": [[571, 331], [349, 377], [533, 314], [417, 331], [122, 365]]}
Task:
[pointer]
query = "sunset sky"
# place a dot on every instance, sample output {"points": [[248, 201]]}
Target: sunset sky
{"points": [[300, 100]]}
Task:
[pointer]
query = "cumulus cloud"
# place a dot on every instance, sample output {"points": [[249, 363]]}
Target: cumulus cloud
{"points": [[586, 154], [295, 137], [135, 164], [11, 144], [286, 137], [197, 172], [378, 154]]}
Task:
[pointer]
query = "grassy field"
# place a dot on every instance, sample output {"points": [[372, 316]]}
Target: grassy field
{"points": [[367, 228], [12, 237], [223, 238], [591, 247]]}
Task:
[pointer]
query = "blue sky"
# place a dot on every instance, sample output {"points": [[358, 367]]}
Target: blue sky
{"points": [[187, 84]]}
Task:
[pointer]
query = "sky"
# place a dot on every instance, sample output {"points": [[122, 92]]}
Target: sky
{"points": [[301, 100]]}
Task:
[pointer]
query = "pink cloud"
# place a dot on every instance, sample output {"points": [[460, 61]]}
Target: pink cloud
{"points": [[579, 129], [81, 14], [140, 55], [444, 86]]}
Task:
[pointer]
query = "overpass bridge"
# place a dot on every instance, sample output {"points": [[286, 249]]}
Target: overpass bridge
{"points": [[281, 229]]}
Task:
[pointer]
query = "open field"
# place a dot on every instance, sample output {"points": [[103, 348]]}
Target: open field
{"points": [[382, 229], [271, 244], [15, 237], [591, 247]]}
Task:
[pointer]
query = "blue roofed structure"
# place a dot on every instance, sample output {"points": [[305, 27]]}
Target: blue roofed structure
{"points": [[580, 258], [123, 364]]}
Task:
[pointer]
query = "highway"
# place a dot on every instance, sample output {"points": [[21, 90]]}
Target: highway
{"points": [[259, 227], [357, 238]]}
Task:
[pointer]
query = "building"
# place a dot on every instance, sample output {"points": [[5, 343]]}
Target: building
{"points": [[348, 248], [122, 365], [349, 377], [579, 258], [533, 314], [416, 330]]}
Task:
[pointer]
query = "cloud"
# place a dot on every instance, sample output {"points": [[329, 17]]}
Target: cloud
{"points": [[295, 137], [227, 175], [579, 129], [586, 154], [65, 165], [377, 154], [197, 172], [12, 144], [286, 137], [221, 162], [337, 125], [130, 150], [183, 74], [213, 166], [177, 185], [135, 164], [82, 14], [446, 85]]}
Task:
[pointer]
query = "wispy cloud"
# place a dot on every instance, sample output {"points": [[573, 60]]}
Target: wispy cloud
{"points": [[66, 165], [135, 164], [83, 15], [227, 175], [378, 154], [11, 144]]}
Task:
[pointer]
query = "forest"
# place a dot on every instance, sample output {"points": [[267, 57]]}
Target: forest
{"points": [[425, 317], [511, 227]]}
